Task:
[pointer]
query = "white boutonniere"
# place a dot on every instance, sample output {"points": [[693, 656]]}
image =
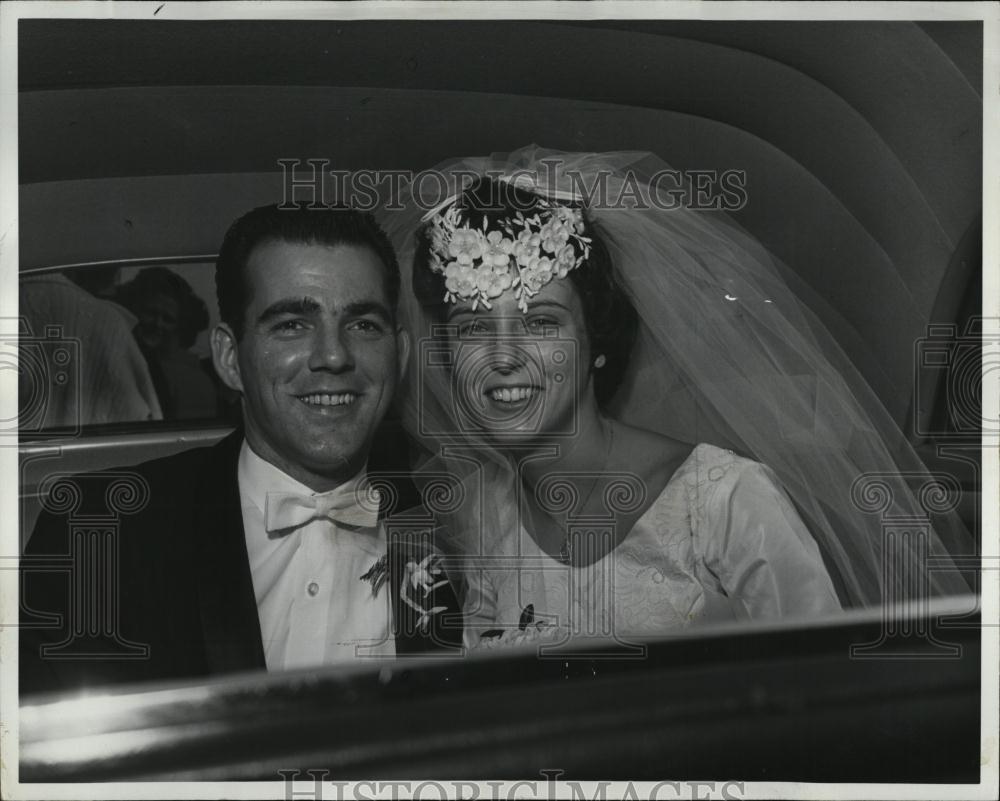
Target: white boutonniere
{"points": [[419, 581]]}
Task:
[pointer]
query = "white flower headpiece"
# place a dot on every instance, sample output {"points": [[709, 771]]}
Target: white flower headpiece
{"points": [[522, 254]]}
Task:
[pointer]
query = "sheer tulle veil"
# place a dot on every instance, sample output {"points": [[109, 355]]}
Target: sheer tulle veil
{"points": [[726, 355]]}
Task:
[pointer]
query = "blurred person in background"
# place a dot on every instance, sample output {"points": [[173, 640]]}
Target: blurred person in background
{"points": [[170, 317]]}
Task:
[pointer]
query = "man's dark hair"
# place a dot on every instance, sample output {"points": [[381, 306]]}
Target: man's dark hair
{"points": [[610, 318], [299, 224]]}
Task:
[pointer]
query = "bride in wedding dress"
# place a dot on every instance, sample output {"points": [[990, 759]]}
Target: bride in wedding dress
{"points": [[650, 430]]}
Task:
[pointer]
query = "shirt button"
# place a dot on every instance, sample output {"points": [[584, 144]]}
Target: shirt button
{"points": [[313, 588]]}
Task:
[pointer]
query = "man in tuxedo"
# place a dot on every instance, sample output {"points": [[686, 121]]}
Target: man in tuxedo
{"points": [[266, 550]]}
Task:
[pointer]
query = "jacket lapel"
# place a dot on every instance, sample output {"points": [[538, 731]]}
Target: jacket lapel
{"points": [[427, 619], [228, 608]]}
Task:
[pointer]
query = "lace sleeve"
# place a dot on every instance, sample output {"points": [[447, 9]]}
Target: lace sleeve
{"points": [[754, 541]]}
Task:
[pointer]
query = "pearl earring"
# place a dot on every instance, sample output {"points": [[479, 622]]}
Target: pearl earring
{"points": [[599, 362]]}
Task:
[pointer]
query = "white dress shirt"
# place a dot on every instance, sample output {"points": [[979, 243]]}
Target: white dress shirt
{"points": [[314, 609]]}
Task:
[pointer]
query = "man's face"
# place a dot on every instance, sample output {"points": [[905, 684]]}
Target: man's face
{"points": [[319, 359]]}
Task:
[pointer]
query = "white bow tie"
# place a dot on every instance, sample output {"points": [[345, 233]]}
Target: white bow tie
{"points": [[353, 505]]}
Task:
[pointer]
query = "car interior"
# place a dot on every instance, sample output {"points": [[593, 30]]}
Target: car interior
{"points": [[139, 143]]}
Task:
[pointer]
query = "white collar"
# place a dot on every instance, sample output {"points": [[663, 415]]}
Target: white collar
{"points": [[257, 477]]}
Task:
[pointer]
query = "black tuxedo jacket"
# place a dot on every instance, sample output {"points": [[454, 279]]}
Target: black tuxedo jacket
{"points": [[142, 574]]}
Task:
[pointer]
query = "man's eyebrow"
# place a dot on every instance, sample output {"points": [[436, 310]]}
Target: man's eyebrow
{"points": [[288, 306], [364, 307]]}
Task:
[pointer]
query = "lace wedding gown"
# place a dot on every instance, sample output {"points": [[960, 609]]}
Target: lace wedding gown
{"points": [[721, 541]]}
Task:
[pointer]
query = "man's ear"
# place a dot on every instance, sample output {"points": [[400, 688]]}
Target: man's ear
{"points": [[403, 347], [225, 356]]}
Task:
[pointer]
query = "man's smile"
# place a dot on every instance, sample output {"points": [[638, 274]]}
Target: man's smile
{"points": [[329, 399]]}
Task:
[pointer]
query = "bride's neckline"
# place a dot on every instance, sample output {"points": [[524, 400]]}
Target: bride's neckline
{"points": [[655, 478]]}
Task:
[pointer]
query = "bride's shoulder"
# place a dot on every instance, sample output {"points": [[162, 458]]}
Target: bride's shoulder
{"points": [[658, 452], [647, 445], [715, 462], [652, 456], [712, 473], [662, 461], [706, 463]]}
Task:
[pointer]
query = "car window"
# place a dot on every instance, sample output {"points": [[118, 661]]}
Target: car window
{"points": [[114, 343]]}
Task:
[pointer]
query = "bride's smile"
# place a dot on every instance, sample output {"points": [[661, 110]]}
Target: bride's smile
{"points": [[514, 394]]}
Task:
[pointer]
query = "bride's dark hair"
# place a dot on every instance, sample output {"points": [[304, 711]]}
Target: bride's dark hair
{"points": [[609, 317]]}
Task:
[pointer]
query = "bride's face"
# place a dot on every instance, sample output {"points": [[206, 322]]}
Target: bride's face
{"points": [[519, 375]]}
